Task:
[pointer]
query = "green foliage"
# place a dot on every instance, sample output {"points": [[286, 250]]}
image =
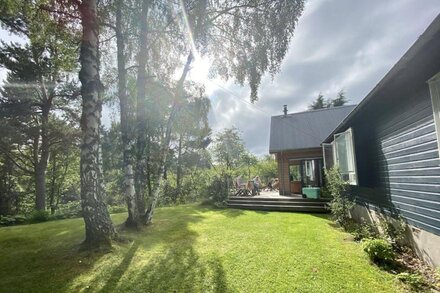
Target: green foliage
{"points": [[321, 103], [198, 185], [393, 230], [10, 220], [266, 168], [364, 231], [340, 100], [39, 216], [379, 251], [117, 209], [340, 205], [415, 280], [228, 148], [218, 189], [70, 209]]}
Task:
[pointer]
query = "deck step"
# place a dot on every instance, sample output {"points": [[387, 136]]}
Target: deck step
{"points": [[287, 208], [292, 199], [270, 202]]}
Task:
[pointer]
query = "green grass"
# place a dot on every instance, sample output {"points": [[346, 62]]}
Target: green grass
{"points": [[193, 249]]}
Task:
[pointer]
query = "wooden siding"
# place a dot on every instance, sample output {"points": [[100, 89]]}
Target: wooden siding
{"points": [[401, 160], [283, 159]]}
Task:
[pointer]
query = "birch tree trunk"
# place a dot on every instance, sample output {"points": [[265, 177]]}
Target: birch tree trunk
{"points": [[98, 225], [179, 166], [141, 107], [126, 109], [166, 141]]}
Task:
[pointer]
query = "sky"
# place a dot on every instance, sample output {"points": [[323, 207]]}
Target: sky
{"points": [[338, 44]]}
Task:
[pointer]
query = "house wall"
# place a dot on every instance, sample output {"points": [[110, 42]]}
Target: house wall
{"points": [[283, 165], [399, 167]]}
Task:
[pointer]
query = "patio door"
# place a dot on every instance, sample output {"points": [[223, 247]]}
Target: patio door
{"points": [[312, 173], [295, 178]]}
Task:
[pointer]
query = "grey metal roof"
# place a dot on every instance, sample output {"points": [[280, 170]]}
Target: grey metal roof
{"points": [[304, 129]]}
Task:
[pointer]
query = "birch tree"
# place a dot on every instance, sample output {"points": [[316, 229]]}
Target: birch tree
{"points": [[98, 225], [245, 39]]}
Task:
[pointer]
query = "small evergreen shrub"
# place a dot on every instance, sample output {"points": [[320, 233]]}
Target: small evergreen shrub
{"points": [[364, 231], [393, 230], [379, 250], [416, 281], [39, 216]]}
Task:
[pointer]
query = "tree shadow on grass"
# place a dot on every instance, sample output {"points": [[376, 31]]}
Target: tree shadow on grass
{"points": [[230, 213], [119, 271], [162, 258], [180, 269]]}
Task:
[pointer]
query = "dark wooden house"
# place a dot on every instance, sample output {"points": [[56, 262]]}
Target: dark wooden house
{"points": [[388, 146], [296, 139]]}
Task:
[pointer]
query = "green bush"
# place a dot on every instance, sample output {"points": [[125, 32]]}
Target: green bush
{"points": [[217, 189], [379, 250], [117, 209], [393, 230], [10, 220], [364, 231], [416, 281], [340, 205], [68, 210], [39, 216], [7, 220]]}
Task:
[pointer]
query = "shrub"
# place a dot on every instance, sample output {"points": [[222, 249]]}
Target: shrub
{"points": [[379, 251], [117, 209], [71, 209], [393, 230], [7, 220], [364, 231], [416, 281], [340, 205], [10, 220], [39, 216], [217, 189]]}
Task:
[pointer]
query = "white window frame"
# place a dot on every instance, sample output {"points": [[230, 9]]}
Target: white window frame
{"points": [[351, 155], [434, 88]]}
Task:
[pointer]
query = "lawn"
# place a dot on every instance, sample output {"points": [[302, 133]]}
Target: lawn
{"points": [[193, 249]]}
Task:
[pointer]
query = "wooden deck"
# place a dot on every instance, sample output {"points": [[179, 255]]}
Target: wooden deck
{"points": [[272, 201]]}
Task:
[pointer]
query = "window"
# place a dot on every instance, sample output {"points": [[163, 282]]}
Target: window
{"points": [[312, 172], [327, 151], [295, 172], [344, 156], [434, 88]]}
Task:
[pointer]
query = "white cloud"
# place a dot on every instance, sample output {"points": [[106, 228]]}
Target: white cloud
{"points": [[337, 44]]}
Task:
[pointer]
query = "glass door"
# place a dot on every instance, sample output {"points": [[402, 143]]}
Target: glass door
{"points": [[312, 173]]}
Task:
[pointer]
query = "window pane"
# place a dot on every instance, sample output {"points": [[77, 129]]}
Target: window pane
{"points": [[295, 173], [350, 155], [341, 153], [327, 149], [345, 156]]}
